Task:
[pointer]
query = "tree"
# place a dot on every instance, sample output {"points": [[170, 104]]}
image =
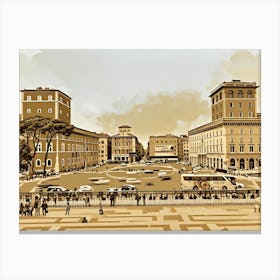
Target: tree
{"points": [[24, 155], [30, 130], [33, 129], [51, 128]]}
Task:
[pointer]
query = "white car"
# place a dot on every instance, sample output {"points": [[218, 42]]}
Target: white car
{"points": [[85, 188], [56, 189], [133, 181], [102, 182]]}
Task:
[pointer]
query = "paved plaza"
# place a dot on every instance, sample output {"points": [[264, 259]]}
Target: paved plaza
{"points": [[148, 218]]}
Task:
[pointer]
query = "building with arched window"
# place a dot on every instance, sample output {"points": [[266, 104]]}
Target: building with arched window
{"points": [[233, 138]]}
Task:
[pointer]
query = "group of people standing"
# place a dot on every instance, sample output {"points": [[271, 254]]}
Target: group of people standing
{"points": [[27, 208]]}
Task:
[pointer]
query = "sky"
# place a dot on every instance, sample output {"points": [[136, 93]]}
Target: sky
{"points": [[156, 92]]}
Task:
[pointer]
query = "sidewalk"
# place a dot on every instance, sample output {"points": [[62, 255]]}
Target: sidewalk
{"points": [[149, 218]]}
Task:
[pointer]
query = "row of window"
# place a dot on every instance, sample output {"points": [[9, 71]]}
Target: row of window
{"points": [[39, 111], [70, 160], [242, 148], [50, 98], [77, 148], [241, 114], [230, 94]]}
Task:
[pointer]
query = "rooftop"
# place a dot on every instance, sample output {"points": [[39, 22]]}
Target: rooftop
{"points": [[45, 89], [233, 83]]}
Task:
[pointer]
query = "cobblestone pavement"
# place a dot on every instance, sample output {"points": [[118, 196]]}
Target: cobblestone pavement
{"points": [[149, 218]]}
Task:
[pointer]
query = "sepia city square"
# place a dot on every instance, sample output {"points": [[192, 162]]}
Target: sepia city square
{"points": [[173, 154]]}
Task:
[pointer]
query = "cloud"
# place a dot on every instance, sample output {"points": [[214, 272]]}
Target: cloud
{"points": [[161, 113], [244, 65]]}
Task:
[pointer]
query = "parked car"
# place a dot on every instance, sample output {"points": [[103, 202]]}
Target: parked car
{"points": [[102, 182], [127, 188], [85, 188], [133, 181], [56, 189]]}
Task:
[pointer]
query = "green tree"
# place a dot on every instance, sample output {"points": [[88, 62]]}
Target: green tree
{"points": [[51, 128]]}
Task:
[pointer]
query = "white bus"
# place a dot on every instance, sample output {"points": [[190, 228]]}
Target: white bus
{"points": [[208, 182]]}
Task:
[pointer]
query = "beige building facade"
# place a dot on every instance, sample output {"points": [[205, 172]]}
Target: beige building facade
{"points": [[79, 150], [125, 146], [104, 148], [183, 148], [163, 147], [233, 139]]}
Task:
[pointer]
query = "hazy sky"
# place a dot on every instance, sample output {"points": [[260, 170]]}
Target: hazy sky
{"points": [[154, 91]]}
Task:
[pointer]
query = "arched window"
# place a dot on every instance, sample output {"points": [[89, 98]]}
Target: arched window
{"points": [[240, 94], [232, 162], [251, 163], [62, 147], [38, 162], [249, 94], [49, 162], [242, 163], [230, 94]]}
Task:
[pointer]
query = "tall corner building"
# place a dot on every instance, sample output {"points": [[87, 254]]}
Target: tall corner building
{"points": [[233, 139], [66, 153], [46, 102]]}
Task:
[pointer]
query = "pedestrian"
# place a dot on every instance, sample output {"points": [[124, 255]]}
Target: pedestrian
{"points": [[37, 207], [112, 198], [144, 199], [44, 207], [21, 209], [137, 199], [67, 209]]}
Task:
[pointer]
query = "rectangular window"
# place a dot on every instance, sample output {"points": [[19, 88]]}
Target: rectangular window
{"points": [[39, 98], [260, 148], [231, 131], [50, 110], [231, 114], [251, 149], [241, 149], [39, 111], [39, 147], [50, 147], [231, 104], [241, 140], [232, 148], [251, 140], [28, 98], [251, 131], [231, 140], [241, 114], [241, 131], [240, 104], [250, 114], [28, 111], [250, 105], [49, 97]]}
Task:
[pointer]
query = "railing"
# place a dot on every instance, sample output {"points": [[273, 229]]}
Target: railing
{"points": [[156, 198]]}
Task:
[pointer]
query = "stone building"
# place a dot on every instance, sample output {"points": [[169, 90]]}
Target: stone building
{"points": [[125, 146], [233, 138]]}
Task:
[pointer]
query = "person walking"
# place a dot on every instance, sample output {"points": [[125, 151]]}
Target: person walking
{"points": [[37, 207], [144, 199], [67, 209], [21, 209], [44, 208]]}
